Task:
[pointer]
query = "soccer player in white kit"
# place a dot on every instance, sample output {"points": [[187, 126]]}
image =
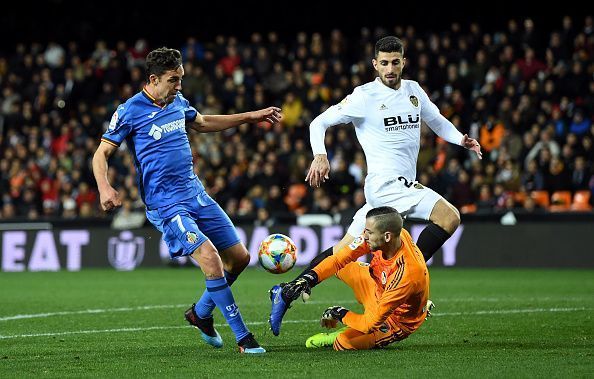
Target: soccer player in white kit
{"points": [[387, 115]]}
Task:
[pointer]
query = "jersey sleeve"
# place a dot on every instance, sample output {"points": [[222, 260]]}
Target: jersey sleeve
{"points": [[429, 110], [349, 109], [331, 265], [353, 106], [435, 120], [118, 128], [398, 288], [189, 111]]}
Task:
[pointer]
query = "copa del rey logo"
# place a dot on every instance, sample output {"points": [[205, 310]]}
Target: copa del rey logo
{"points": [[126, 251], [114, 120]]}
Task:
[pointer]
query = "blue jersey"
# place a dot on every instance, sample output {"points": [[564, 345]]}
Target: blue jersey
{"points": [[156, 137]]}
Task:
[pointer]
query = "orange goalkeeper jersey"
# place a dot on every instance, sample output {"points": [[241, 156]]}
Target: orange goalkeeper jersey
{"points": [[402, 284]]}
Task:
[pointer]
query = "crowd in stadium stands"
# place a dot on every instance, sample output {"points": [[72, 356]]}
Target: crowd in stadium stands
{"points": [[526, 92]]}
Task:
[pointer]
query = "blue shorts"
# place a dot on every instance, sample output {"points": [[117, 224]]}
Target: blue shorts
{"points": [[189, 223]]}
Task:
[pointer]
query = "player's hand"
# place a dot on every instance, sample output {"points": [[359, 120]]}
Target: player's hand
{"points": [[270, 114], [472, 144], [297, 287], [318, 171], [110, 199], [332, 315]]}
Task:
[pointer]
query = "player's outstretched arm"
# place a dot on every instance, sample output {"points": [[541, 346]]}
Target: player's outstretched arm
{"points": [[108, 196], [295, 288], [216, 123], [472, 144], [320, 167], [318, 171]]}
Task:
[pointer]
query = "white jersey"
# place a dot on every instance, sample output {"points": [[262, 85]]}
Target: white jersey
{"points": [[388, 125]]}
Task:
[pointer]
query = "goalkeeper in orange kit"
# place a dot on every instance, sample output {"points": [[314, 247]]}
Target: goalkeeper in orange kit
{"points": [[393, 288]]}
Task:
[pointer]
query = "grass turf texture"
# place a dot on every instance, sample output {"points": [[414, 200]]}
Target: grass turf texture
{"points": [[494, 323]]}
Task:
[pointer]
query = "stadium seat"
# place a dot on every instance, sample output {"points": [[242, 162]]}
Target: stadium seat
{"points": [[581, 201], [520, 197], [560, 201], [541, 198], [468, 208]]}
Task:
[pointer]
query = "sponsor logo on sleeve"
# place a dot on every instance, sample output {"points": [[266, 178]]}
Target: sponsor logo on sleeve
{"points": [[114, 120], [356, 243], [343, 102]]}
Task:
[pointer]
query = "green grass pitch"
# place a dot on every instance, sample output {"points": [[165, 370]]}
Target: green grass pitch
{"points": [[103, 323]]}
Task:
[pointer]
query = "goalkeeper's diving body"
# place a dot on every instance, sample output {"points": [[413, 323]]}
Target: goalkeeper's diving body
{"points": [[393, 288]]}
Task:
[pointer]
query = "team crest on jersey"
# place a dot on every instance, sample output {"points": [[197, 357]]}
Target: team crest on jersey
{"points": [[418, 186], [384, 277], [414, 100], [191, 237], [356, 243]]}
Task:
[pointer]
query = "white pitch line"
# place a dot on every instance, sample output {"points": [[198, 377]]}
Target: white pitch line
{"points": [[477, 313], [94, 331], [131, 309], [89, 311], [149, 307], [511, 311]]}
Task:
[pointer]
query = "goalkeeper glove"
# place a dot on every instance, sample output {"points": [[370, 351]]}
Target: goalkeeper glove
{"points": [[303, 284], [429, 307], [332, 315]]}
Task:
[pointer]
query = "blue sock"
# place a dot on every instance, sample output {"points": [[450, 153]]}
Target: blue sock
{"points": [[206, 305], [221, 294]]}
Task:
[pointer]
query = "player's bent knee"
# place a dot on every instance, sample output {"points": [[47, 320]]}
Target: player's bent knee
{"points": [[455, 218], [236, 258], [209, 261], [448, 217], [242, 262]]}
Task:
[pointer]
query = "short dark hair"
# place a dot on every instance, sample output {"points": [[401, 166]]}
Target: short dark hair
{"points": [[161, 60], [387, 219], [389, 44]]}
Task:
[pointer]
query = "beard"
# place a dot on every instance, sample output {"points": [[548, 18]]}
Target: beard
{"points": [[392, 82], [169, 98]]}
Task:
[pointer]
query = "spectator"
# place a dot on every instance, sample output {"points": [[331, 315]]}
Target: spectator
{"points": [[56, 98], [579, 175], [128, 218]]}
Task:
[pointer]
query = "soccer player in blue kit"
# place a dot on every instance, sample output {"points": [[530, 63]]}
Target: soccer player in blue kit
{"points": [[153, 123]]}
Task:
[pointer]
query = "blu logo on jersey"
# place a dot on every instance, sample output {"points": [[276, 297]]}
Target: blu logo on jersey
{"points": [[388, 121]]}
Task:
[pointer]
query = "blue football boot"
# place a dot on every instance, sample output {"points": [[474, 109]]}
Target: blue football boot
{"points": [[206, 326], [279, 308], [249, 345]]}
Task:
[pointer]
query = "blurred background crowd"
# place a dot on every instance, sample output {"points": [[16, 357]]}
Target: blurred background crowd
{"points": [[526, 92]]}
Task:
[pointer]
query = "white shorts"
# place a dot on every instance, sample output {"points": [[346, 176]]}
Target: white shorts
{"points": [[410, 198]]}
